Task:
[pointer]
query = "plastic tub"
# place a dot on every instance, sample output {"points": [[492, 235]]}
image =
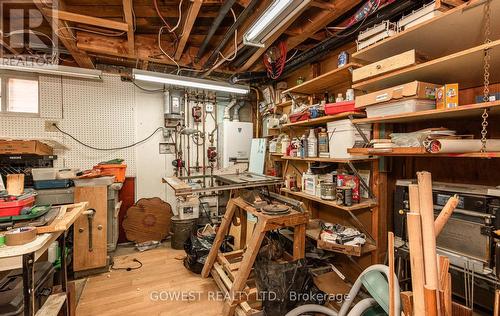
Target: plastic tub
{"points": [[400, 107], [13, 208], [52, 184], [40, 174], [94, 182], [343, 135], [113, 170]]}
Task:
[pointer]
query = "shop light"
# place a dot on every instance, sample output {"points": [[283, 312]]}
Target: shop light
{"points": [[49, 69]]}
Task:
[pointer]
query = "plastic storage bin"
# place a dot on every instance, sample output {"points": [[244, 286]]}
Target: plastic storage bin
{"points": [[13, 208], [340, 107], [53, 184], [113, 170], [343, 135], [400, 107], [41, 174]]}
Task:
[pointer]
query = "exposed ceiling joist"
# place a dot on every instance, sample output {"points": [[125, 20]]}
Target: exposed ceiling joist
{"points": [[66, 36], [129, 19], [188, 26], [86, 19]]}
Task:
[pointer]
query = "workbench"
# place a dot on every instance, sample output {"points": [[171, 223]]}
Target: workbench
{"points": [[24, 256]]}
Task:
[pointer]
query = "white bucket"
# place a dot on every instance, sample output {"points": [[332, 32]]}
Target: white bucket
{"points": [[343, 135]]}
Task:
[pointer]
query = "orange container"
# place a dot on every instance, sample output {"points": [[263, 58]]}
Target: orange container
{"points": [[113, 170]]}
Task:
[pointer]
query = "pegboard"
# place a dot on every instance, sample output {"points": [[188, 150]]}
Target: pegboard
{"points": [[100, 113]]}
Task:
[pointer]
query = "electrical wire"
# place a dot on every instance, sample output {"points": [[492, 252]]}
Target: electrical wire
{"points": [[372, 10], [179, 20], [235, 42], [127, 268], [155, 4], [147, 90], [107, 149], [165, 53]]}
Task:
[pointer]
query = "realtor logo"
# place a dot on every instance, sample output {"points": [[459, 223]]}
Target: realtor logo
{"points": [[26, 32]]}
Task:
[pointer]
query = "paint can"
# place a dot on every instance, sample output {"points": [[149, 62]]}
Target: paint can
{"points": [[344, 196], [328, 191], [181, 231]]}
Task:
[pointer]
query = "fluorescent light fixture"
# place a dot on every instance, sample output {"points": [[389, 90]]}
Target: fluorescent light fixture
{"points": [[149, 76], [48, 69], [274, 17]]}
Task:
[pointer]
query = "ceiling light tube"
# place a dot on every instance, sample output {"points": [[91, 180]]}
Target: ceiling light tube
{"points": [[274, 17], [48, 69], [150, 76]]}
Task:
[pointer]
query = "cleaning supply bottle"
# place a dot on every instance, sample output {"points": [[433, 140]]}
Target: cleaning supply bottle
{"points": [[312, 144], [303, 147], [323, 145]]}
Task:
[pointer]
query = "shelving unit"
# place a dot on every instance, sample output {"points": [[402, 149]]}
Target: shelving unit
{"points": [[469, 110], [324, 119], [329, 81], [417, 152], [284, 104], [364, 204], [440, 31], [465, 67], [324, 159]]}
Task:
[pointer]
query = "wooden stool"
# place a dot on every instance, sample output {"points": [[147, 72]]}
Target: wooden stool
{"points": [[231, 274]]}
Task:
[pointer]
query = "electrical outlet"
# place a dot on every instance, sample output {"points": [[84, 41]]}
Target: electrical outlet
{"points": [[49, 126], [209, 107]]}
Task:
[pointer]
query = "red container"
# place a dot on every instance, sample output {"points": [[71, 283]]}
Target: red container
{"points": [[113, 170], [303, 116], [13, 208], [340, 107]]}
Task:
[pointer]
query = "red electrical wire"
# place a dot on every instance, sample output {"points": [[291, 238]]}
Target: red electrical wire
{"points": [[275, 67]]}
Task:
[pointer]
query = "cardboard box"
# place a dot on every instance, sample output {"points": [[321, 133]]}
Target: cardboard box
{"points": [[447, 96], [31, 147], [413, 90]]}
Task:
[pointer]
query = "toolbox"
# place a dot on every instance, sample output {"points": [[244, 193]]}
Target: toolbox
{"points": [[13, 208], [11, 289], [55, 196], [53, 184]]}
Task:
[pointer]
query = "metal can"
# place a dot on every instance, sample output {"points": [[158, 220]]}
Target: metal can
{"points": [[344, 196], [328, 191], [343, 59]]}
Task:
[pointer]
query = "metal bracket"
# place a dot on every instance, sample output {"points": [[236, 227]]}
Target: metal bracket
{"points": [[362, 182], [365, 139], [362, 227]]}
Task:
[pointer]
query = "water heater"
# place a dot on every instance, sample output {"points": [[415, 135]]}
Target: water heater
{"points": [[234, 142]]}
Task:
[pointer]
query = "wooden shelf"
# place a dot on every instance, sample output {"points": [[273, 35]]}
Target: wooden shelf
{"points": [[365, 203], [324, 119], [324, 159], [470, 110], [329, 81], [455, 30], [464, 67], [284, 104], [416, 152]]}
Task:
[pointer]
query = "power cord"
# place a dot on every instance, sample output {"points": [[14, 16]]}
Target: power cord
{"points": [[106, 149], [127, 268]]}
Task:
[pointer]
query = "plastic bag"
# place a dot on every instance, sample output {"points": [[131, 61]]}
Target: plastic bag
{"points": [[197, 249]]}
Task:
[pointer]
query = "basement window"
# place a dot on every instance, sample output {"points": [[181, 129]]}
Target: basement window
{"points": [[19, 95]]}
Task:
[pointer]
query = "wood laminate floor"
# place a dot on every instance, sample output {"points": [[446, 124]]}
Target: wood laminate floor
{"points": [[162, 276]]}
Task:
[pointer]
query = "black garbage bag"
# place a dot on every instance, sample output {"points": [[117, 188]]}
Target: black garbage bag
{"points": [[197, 249], [282, 285]]}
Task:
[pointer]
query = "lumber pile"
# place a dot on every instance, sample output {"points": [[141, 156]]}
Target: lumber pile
{"points": [[431, 280]]}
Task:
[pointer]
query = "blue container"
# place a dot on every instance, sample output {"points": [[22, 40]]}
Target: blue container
{"points": [[53, 184]]}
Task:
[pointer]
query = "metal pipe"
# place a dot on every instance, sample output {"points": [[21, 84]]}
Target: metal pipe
{"points": [[228, 4], [241, 18]]}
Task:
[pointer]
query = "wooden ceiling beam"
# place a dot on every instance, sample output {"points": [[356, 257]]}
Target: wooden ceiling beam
{"points": [[194, 9], [9, 48], [127, 12], [86, 19], [66, 36], [146, 49]]}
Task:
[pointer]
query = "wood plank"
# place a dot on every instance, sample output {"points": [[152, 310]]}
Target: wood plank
{"points": [[465, 67], [194, 9], [52, 305], [66, 36], [463, 111], [83, 258], [329, 81], [61, 223], [324, 159], [129, 19], [416, 152], [323, 120], [365, 203], [85, 19], [386, 65], [299, 241], [459, 28]]}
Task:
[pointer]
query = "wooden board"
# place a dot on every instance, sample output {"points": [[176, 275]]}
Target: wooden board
{"points": [[465, 67], [323, 159], [386, 65], [365, 203], [329, 81], [83, 258], [463, 111], [178, 185], [149, 219], [52, 305], [416, 152], [324, 119], [455, 30], [67, 216]]}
